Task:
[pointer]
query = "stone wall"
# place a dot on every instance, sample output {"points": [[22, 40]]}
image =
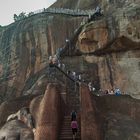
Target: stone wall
{"points": [[113, 44], [90, 129], [28, 45], [49, 115]]}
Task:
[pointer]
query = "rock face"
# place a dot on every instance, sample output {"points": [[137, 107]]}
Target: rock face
{"points": [[44, 116], [26, 46], [106, 117], [15, 129], [108, 55], [114, 41], [119, 126], [89, 124], [119, 122], [49, 114], [12, 106]]}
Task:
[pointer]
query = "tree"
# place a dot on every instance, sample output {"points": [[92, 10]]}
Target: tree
{"points": [[1, 28], [30, 14], [15, 17], [22, 15]]}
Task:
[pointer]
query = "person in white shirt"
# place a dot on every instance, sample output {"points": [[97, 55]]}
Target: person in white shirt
{"points": [[90, 86], [97, 11]]}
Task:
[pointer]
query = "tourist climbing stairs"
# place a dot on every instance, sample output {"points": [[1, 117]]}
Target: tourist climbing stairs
{"points": [[72, 103], [66, 131], [64, 73]]}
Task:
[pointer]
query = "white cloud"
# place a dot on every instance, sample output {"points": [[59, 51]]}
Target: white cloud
{"points": [[10, 7]]}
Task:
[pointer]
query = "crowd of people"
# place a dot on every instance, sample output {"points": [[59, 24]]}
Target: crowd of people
{"points": [[100, 92], [91, 86], [77, 78], [115, 91], [55, 60]]}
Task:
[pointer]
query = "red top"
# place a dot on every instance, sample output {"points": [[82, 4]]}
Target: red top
{"points": [[74, 124]]}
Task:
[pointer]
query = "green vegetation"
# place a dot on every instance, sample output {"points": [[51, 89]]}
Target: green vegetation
{"points": [[30, 14], [1, 27], [20, 16]]}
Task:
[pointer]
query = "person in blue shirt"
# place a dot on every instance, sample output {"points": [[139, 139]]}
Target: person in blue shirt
{"points": [[73, 115], [117, 92]]}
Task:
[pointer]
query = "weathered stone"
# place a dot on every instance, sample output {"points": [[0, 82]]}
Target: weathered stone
{"points": [[113, 41], [38, 45], [121, 127], [16, 129], [34, 107], [12, 106], [114, 49], [89, 123], [49, 114]]}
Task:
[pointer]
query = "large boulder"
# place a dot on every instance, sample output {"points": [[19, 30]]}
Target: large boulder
{"points": [[13, 106], [49, 114], [16, 129]]}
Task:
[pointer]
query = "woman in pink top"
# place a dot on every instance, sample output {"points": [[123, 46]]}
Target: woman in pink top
{"points": [[74, 127]]}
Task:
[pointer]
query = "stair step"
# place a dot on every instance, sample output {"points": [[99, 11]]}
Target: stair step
{"points": [[64, 136], [66, 131], [69, 138], [68, 134]]}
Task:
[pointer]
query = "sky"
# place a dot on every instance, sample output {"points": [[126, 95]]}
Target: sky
{"points": [[10, 7]]}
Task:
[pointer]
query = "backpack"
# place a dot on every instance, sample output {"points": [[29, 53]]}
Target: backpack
{"points": [[73, 115]]}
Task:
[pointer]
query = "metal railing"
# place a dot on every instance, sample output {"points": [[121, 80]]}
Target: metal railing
{"points": [[73, 12]]}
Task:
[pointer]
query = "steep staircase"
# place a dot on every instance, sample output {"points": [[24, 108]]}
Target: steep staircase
{"points": [[66, 132], [72, 103]]}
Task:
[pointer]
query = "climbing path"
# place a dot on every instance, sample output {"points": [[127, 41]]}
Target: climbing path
{"points": [[72, 103], [71, 12], [66, 132]]}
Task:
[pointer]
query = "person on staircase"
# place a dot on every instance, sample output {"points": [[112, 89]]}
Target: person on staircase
{"points": [[73, 115], [79, 77], [90, 86], [58, 52], [50, 66], [97, 11], [55, 60], [69, 73], [74, 126], [63, 67], [117, 92], [59, 65], [74, 75], [50, 61]]}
